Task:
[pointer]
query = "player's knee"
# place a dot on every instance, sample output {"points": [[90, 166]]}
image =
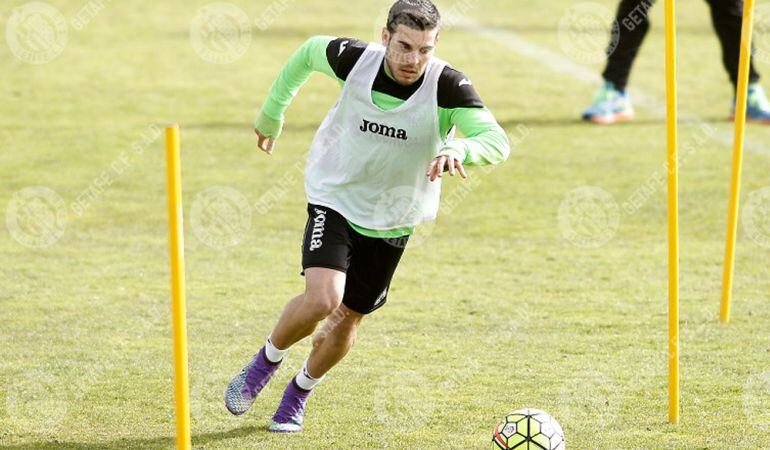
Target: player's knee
{"points": [[345, 322], [321, 302], [339, 335], [319, 337], [341, 326], [348, 332]]}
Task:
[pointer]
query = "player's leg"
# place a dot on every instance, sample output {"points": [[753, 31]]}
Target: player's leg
{"points": [[727, 18], [371, 269], [330, 344], [372, 266], [611, 102], [333, 341], [323, 294], [325, 257]]}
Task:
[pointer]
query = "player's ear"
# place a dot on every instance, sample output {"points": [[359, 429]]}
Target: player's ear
{"points": [[385, 36]]}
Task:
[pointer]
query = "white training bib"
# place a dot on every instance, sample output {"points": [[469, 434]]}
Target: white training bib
{"points": [[369, 164]]}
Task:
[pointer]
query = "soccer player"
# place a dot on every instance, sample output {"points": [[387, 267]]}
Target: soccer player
{"points": [[613, 104], [373, 174]]}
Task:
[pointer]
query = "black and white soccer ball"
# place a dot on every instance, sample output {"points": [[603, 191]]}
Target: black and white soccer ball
{"points": [[528, 429]]}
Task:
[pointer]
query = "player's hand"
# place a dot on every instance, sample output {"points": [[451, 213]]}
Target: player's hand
{"points": [[445, 163], [265, 143]]}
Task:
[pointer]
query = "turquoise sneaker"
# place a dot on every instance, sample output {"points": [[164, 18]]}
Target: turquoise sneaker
{"points": [[610, 106], [757, 108]]}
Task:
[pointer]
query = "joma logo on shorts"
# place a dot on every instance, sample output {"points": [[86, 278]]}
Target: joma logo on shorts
{"points": [[383, 130], [318, 229]]}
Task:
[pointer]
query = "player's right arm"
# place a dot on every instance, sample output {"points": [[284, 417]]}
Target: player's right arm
{"points": [[334, 57]]}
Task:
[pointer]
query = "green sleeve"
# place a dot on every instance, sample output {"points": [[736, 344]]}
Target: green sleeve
{"points": [[309, 58], [383, 234], [485, 141]]}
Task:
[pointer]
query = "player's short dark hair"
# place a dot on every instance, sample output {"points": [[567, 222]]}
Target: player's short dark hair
{"points": [[415, 14]]}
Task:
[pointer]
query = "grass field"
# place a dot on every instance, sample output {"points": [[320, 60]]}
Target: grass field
{"points": [[515, 298]]}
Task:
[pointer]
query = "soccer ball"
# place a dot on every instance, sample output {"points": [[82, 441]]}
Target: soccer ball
{"points": [[528, 429]]}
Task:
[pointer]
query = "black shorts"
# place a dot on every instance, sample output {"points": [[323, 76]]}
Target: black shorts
{"points": [[369, 262]]}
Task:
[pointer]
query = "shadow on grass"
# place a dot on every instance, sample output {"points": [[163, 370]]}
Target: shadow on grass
{"points": [[219, 125], [247, 126], [577, 121], [549, 29], [570, 121], [143, 443]]}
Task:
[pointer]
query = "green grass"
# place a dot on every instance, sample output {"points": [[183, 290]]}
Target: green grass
{"points": [[495, 310]]}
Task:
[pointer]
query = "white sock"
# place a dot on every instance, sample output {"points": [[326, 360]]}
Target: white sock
{"points": [[273, 353], [304, 380]]}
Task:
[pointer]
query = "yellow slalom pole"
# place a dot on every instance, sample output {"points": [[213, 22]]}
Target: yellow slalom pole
{"points": [[735, 179], [673, 216], [178, 303]]}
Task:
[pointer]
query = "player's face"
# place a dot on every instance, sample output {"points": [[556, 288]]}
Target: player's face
{"points": [[408, 52]]}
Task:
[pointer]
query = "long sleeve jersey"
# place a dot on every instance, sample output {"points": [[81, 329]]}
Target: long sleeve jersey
{"points": [[459, 105]]}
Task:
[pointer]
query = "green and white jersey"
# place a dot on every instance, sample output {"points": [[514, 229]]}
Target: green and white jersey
{"points": [[483, 141], [368, 163]]}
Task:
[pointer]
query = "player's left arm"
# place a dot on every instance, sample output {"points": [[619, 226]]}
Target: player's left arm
{"points": [[485, 141]]}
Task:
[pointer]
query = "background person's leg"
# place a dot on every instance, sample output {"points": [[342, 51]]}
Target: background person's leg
{"points": [[727, 18], [611, 102], [633, 21]]}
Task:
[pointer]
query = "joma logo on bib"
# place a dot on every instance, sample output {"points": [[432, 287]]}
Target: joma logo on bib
{"points": [[383, 130]]}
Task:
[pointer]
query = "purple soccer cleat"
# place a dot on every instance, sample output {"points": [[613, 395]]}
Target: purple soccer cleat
{"points": [[244, 388], [288, 418]]}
